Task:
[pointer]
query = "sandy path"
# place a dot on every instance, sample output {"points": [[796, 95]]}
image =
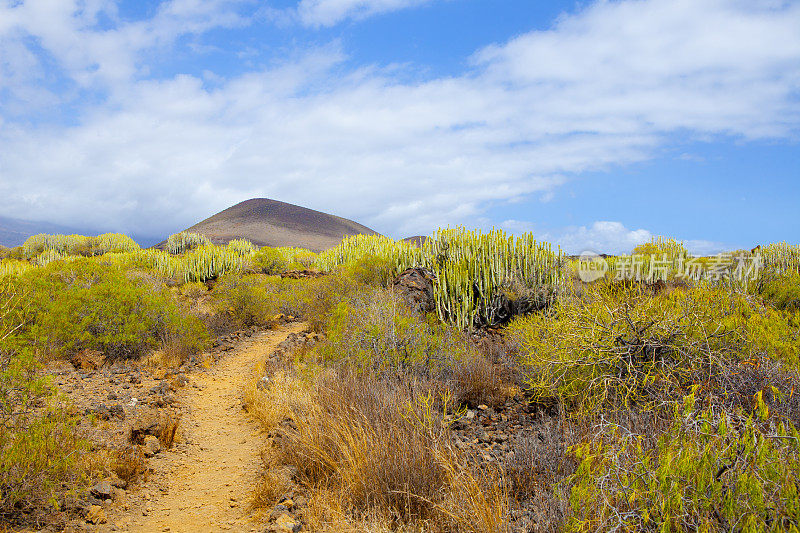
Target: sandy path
{"points": [[204, 483]]}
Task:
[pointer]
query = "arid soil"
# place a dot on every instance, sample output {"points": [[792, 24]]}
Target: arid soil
{"points": [[204, 482]]}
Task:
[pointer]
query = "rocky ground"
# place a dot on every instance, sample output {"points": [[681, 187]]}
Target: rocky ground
{"points": [[193, 452]]}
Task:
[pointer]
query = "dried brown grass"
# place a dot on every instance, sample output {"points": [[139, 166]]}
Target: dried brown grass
{"points": [[374, 454]]}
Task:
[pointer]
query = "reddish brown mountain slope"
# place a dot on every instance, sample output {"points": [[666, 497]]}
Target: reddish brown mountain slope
{"points": [[266, 222]]}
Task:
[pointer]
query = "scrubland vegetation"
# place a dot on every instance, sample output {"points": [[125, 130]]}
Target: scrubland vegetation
{"points": [[664, 406]]}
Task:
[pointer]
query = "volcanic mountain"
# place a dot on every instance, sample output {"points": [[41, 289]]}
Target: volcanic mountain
{"points": [[266, 222]]}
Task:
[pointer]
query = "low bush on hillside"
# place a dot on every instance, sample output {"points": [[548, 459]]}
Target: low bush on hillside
{"points": [[87, 304], [375, 332], [248, 300], [709, 471], [269, 261], [39, 459], [781, 292], [314, 299], [623, 347]]}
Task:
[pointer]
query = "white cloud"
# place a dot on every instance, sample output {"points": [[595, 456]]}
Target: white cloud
{"points": [[606, 86], [602, 237], [41, 40], [606, 237], [331, 12]]}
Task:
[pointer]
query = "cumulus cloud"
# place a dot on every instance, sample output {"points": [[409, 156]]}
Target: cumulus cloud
{"points": [[331, 12], [607, 237], [605, 86]]}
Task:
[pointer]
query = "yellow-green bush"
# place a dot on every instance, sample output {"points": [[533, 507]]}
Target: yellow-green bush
{"points": [[242, 247], [708, 472], [782, 292], [39, 449], [269, 261], [374, 332], [249, 300], [68, 245], [298, 258], [622, 346], [88, 304]]}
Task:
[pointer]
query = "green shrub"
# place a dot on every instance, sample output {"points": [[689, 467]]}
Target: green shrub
{"points": [[241, 246], [39, 460], [269, 261], [782, 292], [619, 345], [374, 332], [314, 299], [709, 471], [249, 300], [88, 304], [372, 270]]}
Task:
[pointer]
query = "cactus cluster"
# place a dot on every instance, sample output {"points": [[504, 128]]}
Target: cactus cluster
{"points": [[471, 267], [209, 262], [48, 256], [183, 242], [355, 248], [13, 268], [782, 257]]}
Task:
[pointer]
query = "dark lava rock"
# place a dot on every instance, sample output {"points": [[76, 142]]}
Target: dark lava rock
{"points": [[415, 287]]}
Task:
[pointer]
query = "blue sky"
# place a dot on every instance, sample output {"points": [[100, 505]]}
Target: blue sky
{"points": [[594, 124]]}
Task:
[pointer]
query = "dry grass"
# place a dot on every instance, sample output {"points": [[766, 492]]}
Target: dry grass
{"points": [[168, 429], [129, 464], [375, 455], [477, 380]]}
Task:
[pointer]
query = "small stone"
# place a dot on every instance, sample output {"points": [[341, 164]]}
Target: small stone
{"points": [[288, 503], [151, 446], [285, 523], [102, 490], [96, 515], [483, 407], [470, 414]]}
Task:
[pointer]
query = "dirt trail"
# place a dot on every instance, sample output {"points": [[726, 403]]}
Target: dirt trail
{"points": [[204, 483]]}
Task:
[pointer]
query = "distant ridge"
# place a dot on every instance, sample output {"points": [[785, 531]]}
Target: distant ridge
{"points": [[14, 231], [266, 222]]}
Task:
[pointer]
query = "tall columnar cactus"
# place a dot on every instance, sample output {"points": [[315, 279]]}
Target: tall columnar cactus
{"points": [[183, 242], [471, 266], [209, 262], [782, 257]]}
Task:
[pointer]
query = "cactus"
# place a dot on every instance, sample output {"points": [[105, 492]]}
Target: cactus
{"points": [[471, 266], [183, 242], [782, 258], [209, 262], [13, 268]]}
